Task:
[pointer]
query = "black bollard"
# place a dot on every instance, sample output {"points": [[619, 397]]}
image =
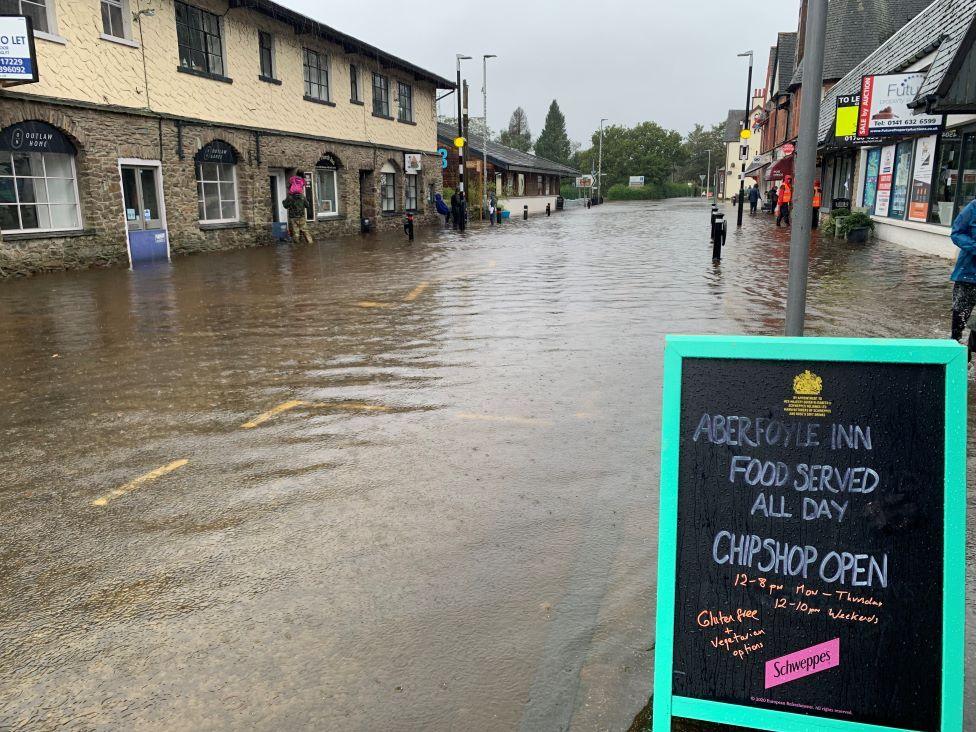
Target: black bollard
{"points": [[525, 213], [718, 234], [548, 212], [408, 226]]}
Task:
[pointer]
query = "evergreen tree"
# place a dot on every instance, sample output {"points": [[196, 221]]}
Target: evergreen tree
{"points": [[518, 134], [553, 143]]}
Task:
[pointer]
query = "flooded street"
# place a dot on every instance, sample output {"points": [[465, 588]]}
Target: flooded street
{"points": [[368, 485]]}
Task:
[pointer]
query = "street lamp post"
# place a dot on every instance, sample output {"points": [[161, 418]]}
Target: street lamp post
{"points": [[745, 126], [599, 167], [484, 147], [460, 121], [806, 160], [708, 176]]}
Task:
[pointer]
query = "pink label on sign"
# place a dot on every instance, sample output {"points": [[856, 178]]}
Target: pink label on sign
{"points": [[798, 664]]}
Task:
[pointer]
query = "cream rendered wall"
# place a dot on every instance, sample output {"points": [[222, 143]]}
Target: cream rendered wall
{"points": [[89, 69]]}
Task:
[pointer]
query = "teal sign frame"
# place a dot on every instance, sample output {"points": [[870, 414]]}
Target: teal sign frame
{"points": [[852, 350]]}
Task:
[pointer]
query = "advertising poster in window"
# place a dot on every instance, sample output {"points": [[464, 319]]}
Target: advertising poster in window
{"points": [[884, 106], [871, 178], [903, 174], [885, 170], [918, 203]]}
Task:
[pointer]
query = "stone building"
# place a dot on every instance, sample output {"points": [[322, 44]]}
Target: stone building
{"points": [[170, 127]]}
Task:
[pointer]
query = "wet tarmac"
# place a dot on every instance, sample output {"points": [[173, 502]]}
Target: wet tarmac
{"points": [[368, 485]]}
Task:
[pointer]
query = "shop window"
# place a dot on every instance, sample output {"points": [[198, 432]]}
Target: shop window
{"points": [[217, 192], [116, 19], [967, 179], [41, 12], [871, 169], [326, 192], [266, 52], [388, 188], [38, 192], [354, 83], [381, 96], [198, 35], [410, 192], [316, 75], [946, 179], [902, 177], [404, 102]]}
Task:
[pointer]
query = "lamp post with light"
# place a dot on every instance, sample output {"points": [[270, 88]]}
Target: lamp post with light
{"points": [[743, 137]]}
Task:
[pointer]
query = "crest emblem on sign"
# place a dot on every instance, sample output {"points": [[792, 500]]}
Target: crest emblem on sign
{"points": [[806, 401], [807, 383]]}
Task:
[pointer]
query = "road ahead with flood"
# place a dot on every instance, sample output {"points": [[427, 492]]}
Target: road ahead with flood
{"points": [[367, 484]]}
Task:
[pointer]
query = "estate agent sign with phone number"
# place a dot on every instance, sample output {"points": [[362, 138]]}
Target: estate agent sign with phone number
{"points": [[18, 60], [812, 542]]}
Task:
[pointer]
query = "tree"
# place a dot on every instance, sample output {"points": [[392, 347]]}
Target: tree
{"points": [[553, 143], [696, 146], [646, 149], [518, 134]]}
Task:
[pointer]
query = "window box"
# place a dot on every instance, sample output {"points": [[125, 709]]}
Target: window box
{"points": [[269, 80], [327, 103], [205, 75]]}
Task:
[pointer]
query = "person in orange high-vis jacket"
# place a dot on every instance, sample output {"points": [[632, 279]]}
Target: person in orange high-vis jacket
{"points": [[785, 199], [817, 200]]}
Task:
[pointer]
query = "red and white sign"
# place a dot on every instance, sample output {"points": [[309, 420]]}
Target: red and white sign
{"points": [[885, 171], [884, 106], [789, 148]]}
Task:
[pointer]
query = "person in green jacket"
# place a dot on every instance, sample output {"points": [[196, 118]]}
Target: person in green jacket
{"points": [[294, 205]]}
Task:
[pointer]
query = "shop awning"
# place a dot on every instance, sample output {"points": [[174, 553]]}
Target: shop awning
{"points": [[757, 164], [780, 169]]}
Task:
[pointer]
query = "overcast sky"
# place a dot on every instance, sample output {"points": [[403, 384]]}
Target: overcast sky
{"points": [[670, 61]]}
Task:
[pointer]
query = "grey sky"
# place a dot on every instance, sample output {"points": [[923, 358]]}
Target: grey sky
{"points": [[673, 62]]}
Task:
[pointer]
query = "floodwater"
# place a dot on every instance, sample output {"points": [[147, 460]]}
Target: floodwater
{"points": [[442, 512]]}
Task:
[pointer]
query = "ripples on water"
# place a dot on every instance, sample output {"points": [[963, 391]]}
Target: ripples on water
{"points": [[456, 529]]}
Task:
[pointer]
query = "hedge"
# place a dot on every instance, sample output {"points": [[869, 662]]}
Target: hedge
{"points": [[651, 192]]}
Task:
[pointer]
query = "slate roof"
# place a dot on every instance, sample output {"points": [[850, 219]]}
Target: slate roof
{"points": [[785, 61], [856, 28], [303, 24], [733, 124], [506, 157], [940, 26], [951, 46]]}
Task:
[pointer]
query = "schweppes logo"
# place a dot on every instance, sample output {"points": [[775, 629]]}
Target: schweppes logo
{"points": [[806, 400]]}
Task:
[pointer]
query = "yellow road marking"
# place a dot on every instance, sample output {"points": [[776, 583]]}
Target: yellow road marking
{"points": [[512, 420], [416, 292], [373, 304], [141, 480], [355, 406], [262, 418]]}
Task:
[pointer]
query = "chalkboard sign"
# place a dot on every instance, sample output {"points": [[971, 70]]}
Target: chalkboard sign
{"points": [[811, 570]]}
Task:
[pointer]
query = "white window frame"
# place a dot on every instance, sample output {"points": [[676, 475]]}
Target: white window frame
{"points": [[388, 170], [51, 34], [123, 6], [407, 180], [16, 204], [322, 216], [200, 181]]}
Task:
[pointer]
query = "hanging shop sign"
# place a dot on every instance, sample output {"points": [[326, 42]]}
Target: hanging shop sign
{"points": [[18, 58], [35, 136], [217, 151], [886, 169], [412, 162], [812, 553], [884, 106], [918, 198]]}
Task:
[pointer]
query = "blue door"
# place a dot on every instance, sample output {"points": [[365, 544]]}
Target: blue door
{"points": [[143, 215]]}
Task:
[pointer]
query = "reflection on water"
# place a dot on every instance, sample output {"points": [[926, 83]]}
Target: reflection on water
{"points": [[451, 524]]}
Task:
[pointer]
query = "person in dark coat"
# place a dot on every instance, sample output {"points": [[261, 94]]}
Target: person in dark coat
{"points": [[753, 199], [455, 210], [964, 274]]}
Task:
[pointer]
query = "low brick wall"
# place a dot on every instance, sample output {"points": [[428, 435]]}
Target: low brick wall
{"points": [[103, 137]]}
